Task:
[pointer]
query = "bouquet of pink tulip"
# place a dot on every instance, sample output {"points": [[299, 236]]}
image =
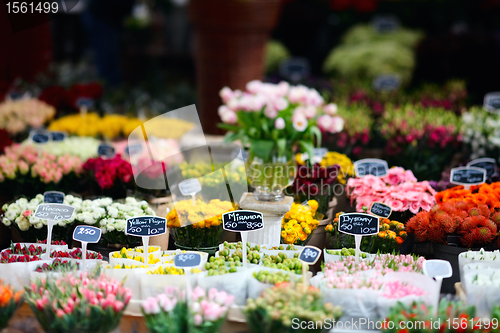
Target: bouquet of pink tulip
{"points": [[169, 312], [266, 115], [399, 189], [383, 264], [78, 304]]}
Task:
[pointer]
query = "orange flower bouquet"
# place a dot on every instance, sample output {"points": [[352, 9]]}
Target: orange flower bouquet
{"points": [[488, 194], [10, 300], [474, 222]]}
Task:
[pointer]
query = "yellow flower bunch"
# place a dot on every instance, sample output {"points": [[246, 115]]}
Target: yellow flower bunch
{"points": [[122, 266], [166, 128], [171, 271], [392, 230], [124, 255], [201, 215], [140, 249], [299, 223], [345, 163]]}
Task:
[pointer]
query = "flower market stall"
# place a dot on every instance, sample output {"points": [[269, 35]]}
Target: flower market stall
{"points": [[345, 198]]}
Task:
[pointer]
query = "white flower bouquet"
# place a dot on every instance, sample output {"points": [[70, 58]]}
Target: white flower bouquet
{"points": [[19, 215]]}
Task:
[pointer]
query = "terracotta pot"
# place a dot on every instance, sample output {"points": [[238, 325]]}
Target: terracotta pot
{"points": [[229, 48]]}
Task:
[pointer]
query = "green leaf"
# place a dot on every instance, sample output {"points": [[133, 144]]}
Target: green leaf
{"points": [[281, 144], [307, 147], [315, 132], [229, 127], [232, 136], [262, 148]]}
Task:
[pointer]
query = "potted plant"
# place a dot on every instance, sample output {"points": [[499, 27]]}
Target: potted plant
{"points": [[272, 121], [230, 40]]}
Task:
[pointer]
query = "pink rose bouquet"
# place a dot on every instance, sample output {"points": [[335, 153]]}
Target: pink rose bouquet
{"points": [[399, 189], [169, 312], [78, 303]]}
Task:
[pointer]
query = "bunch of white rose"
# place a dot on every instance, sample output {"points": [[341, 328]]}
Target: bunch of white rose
{"points": [[83, 147], [111, 216], [21, 212]]}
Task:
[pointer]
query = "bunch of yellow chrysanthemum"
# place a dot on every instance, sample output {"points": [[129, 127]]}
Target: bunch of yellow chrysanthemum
{"points": [[201, 215], [299, 223]]}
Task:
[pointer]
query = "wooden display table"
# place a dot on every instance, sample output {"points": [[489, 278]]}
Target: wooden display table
{"points": [[24, 321]]}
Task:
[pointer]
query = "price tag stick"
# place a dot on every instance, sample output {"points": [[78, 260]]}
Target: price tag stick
{"points": [[145, 246], [194, 199], [357, 241], [244, 237], [305, 282], [50, 225], [84, 255]]}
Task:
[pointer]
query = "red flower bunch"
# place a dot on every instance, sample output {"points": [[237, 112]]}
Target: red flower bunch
{"points": [[75, 254], [107, 171], [12, 259], [55, 242], [473, 223], [57, 265], [24, 250]]}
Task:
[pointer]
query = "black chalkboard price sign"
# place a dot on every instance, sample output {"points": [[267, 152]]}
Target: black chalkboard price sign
{"points": [[187, 260], [381, 210], [385, 23], [58, 136], [242, 220], [486, 163], [467, 176], [491, 102], [54, 212], [146, 226], [133, 149], [358, 224], [370, 166], [86, 233], [53, 197], [106, 150], [40, 137], [386, 82], [310, 254]]}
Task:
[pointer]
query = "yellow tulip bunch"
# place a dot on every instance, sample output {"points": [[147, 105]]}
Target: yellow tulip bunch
{"points": [[298, 224], [171, 271], [140, 249], [122, 266], [124, 255], [201, 215]]}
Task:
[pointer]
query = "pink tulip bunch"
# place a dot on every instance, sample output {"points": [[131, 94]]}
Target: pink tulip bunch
{"points": [[170, 312], [381, 264], [78, 303], [399, 189], [348, 282], [23, 160], [398, 289], [272, 101]]}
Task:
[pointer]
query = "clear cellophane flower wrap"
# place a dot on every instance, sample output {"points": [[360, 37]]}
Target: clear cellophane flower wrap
{"points": [[232, 283], [491, 258], [152, 283], [10, 300], [482, 285], [255, 288]]}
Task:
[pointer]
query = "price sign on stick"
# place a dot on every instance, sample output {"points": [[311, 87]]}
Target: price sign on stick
{"points": [[133, 149], [491, 102], [486, 163], [381, 210], [371, 166], [309, 256], [190, 187], [86, 234], [243, 221], [58, 136], [106, 151], [52, 212], [359, 225], [187, 261], [386, 82], [438, 269], [145, 227], [39, 137], [53, 197], [467, 176]]}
